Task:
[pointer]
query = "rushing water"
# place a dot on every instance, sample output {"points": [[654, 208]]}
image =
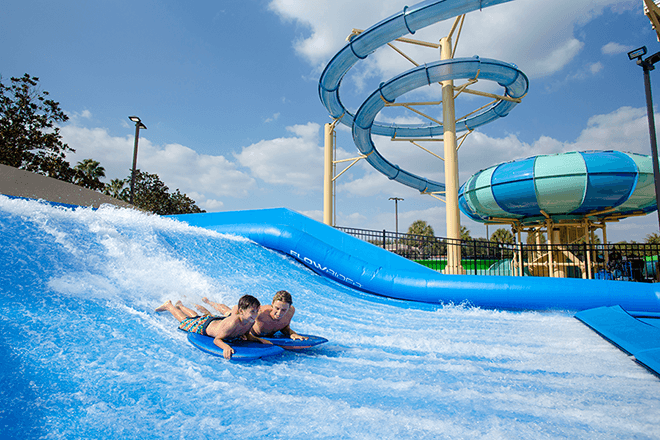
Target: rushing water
{"points": [[83, 354]]}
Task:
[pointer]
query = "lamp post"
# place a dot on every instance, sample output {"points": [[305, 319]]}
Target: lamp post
{"points": [[138, 125], [647, 66], [396, 213]]}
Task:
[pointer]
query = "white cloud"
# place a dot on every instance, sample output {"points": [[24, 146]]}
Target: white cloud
{"points": [[625, 129], [328, 23], [179, 167], [314, 215], [293, 161], [541, 42], [273, 118], [182, 167], [613, 48], [75, 116], [595, 67], [209, 205], [369, 184]]}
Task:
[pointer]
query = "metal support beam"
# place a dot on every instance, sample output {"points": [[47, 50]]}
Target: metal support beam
{"points": [[328, 195], [453, 214]]}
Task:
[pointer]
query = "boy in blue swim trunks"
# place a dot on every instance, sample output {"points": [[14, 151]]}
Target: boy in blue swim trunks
{"points": [[219, 328]]}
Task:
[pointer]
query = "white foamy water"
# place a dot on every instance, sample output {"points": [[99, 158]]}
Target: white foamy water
{"points": [[83, 354]]}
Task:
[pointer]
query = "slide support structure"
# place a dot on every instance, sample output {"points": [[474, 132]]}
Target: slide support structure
{"points": [[451, 167], [328, 191]]}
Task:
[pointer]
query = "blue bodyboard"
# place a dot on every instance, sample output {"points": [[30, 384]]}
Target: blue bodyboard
{"points": [[285, 342], [243, 350]]}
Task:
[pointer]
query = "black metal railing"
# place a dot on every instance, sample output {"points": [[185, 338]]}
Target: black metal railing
{"points": [[621, 261]]}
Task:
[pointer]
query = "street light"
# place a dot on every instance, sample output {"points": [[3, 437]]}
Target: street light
{"points": [[138, 125], [647, 66], [396, 212]]}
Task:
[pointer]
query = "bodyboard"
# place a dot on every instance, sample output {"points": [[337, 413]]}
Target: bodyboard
{"points": [[243, 350], [285, 342]]}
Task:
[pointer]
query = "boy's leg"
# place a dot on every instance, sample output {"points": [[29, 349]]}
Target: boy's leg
{"points": [[169, 307], [188, 312], [226, 311], [203, 310]]}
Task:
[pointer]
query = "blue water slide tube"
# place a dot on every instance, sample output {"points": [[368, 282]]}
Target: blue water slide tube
{"points": [[507, 75], [368, 268], [363, 121], [408, 21], [570, 185]]}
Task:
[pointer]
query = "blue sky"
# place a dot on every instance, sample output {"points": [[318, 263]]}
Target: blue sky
{"points": [[228, 91]]}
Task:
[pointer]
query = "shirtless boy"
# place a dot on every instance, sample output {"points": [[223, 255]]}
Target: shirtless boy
{"points": [[271, 318], [219, 328]]}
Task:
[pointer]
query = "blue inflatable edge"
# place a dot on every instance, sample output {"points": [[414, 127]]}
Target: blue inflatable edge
{"points": [[244, 350], [369, 268], [634, 337], [288, 343]]}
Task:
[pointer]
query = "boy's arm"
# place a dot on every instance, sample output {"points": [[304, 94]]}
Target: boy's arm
{"points": [[227, 351], [288, 331], [250, 337]]}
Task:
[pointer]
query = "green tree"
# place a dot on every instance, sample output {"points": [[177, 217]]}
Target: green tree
{"points": [[420, 227], [151, 194], [117, 189], [422, 237], [502, 235], [465, 233], [88, 174], [653, 238], [29, 136], [182, 204]]}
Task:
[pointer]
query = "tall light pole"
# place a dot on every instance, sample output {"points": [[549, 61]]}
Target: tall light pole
{"points": [[396, 213], [647, 66], [138, 125]]}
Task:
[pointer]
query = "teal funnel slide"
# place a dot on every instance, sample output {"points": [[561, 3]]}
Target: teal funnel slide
{"points": [[363, 266]]}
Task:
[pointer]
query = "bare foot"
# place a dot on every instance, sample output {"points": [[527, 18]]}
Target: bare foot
{"points": [[165, 307], [206, 300], [178, 303]]}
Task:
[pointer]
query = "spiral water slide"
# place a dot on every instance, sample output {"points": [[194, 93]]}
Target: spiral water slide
{"points": [[363, 123]]}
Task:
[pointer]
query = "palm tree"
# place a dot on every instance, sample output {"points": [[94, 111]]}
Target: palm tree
{"points": [[89, 173], [116, 189], [420, 227], [502, 235], [91, 168], [424, 240]]}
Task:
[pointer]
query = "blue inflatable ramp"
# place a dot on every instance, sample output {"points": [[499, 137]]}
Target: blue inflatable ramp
{"points": [[633, 336], [369, 268]]}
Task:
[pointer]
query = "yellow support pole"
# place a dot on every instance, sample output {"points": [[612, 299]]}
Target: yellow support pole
{"points": [[652, 11], [451, 166], [327, 174]]}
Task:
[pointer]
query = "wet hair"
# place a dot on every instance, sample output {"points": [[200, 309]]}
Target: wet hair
{"points": [[248, 302], [283, 296]]}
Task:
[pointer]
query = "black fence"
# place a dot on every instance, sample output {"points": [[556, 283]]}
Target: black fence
{"points": [[621, 261]]}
